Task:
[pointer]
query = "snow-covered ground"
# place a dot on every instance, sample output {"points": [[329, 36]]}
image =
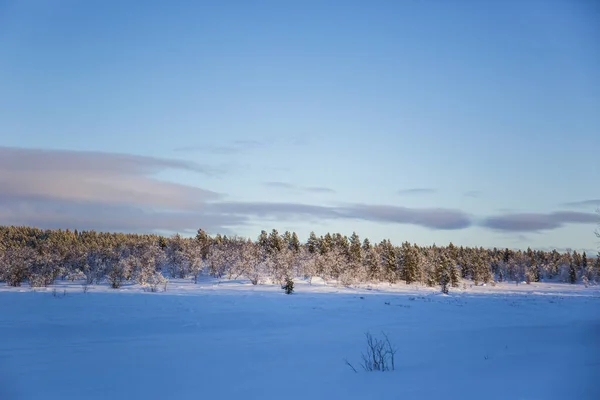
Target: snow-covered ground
{"points": [[235, 341]]}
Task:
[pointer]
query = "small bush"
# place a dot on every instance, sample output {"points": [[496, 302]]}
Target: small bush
{"points": [[154, 282], [288, 286]]}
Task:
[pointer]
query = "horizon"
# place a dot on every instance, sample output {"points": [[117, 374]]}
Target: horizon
{"points": [[474, 124]]}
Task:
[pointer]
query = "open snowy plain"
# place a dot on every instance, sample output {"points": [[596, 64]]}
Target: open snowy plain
{"points": [[232, 340]]}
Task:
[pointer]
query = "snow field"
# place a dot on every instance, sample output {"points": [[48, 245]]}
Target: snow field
{"points": [[236, 341]]}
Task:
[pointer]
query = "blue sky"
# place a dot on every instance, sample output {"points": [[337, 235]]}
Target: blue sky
{"points": [[426, 121]]}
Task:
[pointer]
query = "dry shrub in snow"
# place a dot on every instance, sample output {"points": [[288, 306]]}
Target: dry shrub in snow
{"points": [[379, 356]]}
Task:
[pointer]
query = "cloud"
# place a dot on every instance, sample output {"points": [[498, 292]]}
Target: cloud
{"points": [[106, 178], [316, 189], [120, 192], [15, 158], [281, 185], [593, 203], [473, 193], [53, 214], [237, 146], [534, 222], [430, 218], [416, 191], [289, 186], [274, 209], [58, 188], [433, 218]]}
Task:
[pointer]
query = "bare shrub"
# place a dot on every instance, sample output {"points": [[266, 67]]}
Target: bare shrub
{"points": [[379, 356]]}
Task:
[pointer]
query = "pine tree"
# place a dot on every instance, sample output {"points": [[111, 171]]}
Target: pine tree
{"points": [[203, 240], [410, 263], [294, 243], [312, 243], [288, 286], [576, 259], [573, 272], [371, 263], [389, 261], [366, 245], [444, 267], [263, 240], [326, 243], [287, 237], [506, 255], [454, 274], [355, 250], [342, 243], [275, 242]]}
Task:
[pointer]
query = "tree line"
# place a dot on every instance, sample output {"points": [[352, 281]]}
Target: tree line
{"points": [[40, 257]]}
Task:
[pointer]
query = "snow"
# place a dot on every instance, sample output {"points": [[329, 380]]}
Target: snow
{"points": [[232, 340]]}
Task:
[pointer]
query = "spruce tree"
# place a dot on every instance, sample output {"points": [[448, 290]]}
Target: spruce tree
{"points": [[452, 252], [294, 243], [286, 240], [326, 243], [355, 250], [577, 259], [443, 267], [454, 273], [366, 245], [389, 261], [275, 242], [573, 272], [203, 240], [410, 263], [312, 243], [263, 240]]}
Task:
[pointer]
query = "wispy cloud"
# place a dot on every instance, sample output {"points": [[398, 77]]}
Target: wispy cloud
{"points": [[50, 213], [473, 194], [438, 218], [281, 185], [315, 189], [416, 191], [533, 222], [434, 218], [237, 146], [592, 203], [54, 188], [109, 191], [290, 186], [108, 178]]}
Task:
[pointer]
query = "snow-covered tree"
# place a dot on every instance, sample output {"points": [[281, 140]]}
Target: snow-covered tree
{"points": [[177, 260], [410, 263], [194, 254], [14, 265], [216, 259], [312, 243]]}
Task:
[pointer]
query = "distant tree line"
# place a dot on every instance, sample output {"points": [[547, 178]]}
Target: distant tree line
{"points": [[40, 257]]}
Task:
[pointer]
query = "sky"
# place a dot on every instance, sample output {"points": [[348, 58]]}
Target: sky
{"points": [[476, 123]]}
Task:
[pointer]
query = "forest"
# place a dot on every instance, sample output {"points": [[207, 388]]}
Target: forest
{"points": [[40, 257]]}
